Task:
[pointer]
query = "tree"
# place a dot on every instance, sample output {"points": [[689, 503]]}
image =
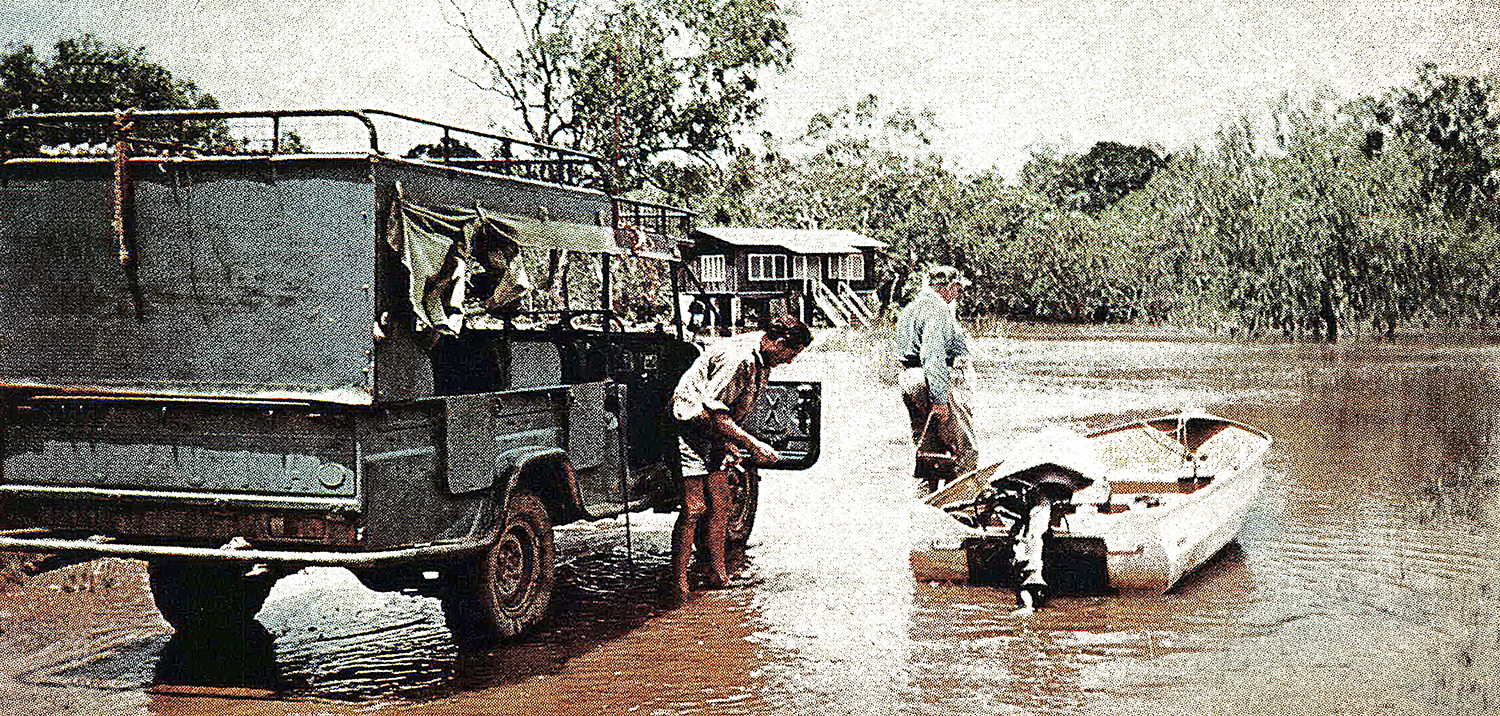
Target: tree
{"points": [[1111, 170], [1453, 114], [1056, 176], [84, 74], [1320, 236], [445, 148], [1092, 181], [641, 79]]}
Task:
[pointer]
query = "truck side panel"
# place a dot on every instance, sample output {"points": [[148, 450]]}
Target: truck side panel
{"points": [[433, 184], [437, 469], [255, 278], [644, 367], [407, 500]]}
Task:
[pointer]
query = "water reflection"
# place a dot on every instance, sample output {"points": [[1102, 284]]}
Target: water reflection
{"points": [[245, 659], [834, 600], [1365, 558], [1391, 515], [1371, 552], [1365, 580]]}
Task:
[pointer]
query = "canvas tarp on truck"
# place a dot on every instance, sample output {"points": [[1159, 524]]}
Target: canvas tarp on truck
{"points": [[254, 278], [446, 247]]}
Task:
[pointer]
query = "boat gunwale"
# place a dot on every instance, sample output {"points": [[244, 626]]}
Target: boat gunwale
{"points": [[1146, 423], [1187, 499], [1150, 515]]}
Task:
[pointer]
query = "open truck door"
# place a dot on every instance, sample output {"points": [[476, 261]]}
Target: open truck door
{"points": [[788, 418]]}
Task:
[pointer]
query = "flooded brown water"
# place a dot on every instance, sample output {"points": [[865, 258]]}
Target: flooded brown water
{"points": [[1367, 580]]}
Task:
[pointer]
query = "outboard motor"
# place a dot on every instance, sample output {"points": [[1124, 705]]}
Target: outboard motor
{"points": [[1049, 468]]}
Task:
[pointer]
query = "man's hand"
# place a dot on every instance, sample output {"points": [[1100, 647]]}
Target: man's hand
{"points": [[762, 453]]}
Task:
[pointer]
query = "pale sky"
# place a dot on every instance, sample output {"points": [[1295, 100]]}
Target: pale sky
{"points": [[1002, 76]]}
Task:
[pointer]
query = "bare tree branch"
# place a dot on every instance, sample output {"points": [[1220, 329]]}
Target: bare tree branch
{"points": [[567, 83]]}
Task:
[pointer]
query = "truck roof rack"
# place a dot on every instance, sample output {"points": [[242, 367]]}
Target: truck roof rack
{"points": [[22, 134]]}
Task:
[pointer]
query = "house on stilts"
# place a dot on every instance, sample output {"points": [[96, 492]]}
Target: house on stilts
{"points": [[736, 276]]}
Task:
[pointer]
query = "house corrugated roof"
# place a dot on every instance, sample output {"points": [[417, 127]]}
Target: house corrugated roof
{"points": [[802, 241]]}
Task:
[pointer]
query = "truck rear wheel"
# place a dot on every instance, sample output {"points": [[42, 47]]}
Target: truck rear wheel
{"points": [[508, 589], [744, 499], [196, 596]]}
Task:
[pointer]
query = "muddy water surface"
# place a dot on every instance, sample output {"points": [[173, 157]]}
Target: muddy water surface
{"points": [[1366, 581]]}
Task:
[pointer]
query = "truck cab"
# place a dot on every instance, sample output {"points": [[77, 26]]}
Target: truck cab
{"points": [[237, 364]]}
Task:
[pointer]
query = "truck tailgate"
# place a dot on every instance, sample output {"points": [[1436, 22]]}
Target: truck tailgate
{"points": [[234, 452]]}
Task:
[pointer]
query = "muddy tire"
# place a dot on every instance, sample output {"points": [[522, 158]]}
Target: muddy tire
{"points": [[744, 499], [199, 597], [508, 589]]}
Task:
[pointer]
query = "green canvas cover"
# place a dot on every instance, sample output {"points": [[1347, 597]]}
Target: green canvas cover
{"points": [[445, 247]]}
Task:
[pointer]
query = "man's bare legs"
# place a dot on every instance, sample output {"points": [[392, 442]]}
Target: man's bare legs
{"points": [[702, 496], [718, 526]]}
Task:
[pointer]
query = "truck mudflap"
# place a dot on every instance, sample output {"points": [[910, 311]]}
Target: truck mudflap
{"points": [[37, 540]]}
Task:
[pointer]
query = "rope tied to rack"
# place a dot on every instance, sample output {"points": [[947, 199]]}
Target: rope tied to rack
{"points": [[123, 122]]}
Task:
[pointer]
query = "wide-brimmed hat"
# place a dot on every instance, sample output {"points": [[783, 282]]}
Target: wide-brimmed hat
{"points": [[945, 276]]}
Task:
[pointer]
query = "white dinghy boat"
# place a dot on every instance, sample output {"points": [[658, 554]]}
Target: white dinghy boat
{"points": [[1168, 493]]}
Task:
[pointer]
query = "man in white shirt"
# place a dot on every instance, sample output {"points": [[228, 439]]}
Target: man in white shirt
{"points": [[710, 404]]}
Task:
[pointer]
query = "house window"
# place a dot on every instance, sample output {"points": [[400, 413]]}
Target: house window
{"points": [[799, 267], [845, 267], [768, 267], [854, 267], [711, 268]]}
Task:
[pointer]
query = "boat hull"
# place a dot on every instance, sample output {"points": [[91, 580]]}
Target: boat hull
{"points": [[1185, 540], [1180, 489]]}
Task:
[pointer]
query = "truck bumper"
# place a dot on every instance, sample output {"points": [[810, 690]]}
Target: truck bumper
{"points": [[33, 540]]}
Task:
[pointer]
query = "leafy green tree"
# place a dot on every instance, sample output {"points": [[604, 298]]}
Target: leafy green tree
{"points": [[1371, 216], [1453, 114], [84, 74], [1314, 235], [869, 169], [1091, 181], [1111, 170], [872, 170], [1056, 176], [858, 167], [641, 80], [445, 148]]}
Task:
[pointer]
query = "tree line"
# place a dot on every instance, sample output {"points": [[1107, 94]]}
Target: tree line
{"points": [[1315, 218]]}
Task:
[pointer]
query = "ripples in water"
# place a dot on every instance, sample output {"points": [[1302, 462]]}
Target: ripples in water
{"points": [[1364, 581]]}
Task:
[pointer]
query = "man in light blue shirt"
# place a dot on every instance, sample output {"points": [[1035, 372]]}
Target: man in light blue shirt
{"points": [[929, 341]]}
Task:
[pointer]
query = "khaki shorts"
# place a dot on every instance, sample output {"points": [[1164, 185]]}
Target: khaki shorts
{"points": [[702, 451]]}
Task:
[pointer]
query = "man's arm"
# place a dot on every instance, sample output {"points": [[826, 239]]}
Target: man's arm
{"points": [[727, 383], [936, 335], [725, 425]]}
